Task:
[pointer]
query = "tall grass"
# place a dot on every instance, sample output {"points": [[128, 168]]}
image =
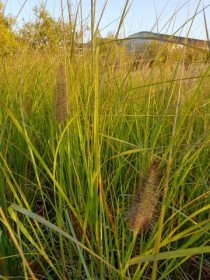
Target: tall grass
{"points": [[67, 185]]}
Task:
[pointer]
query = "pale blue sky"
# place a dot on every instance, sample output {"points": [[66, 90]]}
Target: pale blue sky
{"points": [[164, 16]]}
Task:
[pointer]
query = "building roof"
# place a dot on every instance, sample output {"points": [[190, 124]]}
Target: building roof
{"points": [[143, 38]]}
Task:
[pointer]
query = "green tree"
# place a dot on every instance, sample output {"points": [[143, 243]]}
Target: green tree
{"points": [[48, 32], [45, 31]]}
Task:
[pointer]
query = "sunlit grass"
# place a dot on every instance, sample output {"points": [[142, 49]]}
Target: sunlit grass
{"points": [[67, 183]]}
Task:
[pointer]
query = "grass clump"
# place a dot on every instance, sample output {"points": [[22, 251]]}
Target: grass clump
{"points": [[65, 188]]}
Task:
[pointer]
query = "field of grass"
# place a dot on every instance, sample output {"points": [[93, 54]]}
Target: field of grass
{"points": [[104, 170]]}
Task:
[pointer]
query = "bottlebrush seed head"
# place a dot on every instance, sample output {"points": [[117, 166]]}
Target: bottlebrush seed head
{"points": [[143, 207]]}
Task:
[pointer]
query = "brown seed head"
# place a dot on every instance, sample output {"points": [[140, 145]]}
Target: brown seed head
{"points": [[144, 205], [61, 98]]}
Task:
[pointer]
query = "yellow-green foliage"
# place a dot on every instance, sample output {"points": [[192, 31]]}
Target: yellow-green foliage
{"points": [[163, 52], [8, 42], [71, 183]]}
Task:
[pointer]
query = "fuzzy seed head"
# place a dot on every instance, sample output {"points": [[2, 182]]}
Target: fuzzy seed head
{"points": [[143, 208], [61, 102]]}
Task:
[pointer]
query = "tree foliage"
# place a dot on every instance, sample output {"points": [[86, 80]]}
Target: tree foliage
{"points": [[163, 52], [8, 42], [47, 31], [44, 31]]}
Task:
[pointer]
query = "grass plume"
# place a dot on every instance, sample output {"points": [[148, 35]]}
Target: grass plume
{"points": [[144, 205], [61, 103]]}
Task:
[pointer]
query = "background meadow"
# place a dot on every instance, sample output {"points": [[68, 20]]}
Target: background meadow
{"points": [[104, 162]]}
